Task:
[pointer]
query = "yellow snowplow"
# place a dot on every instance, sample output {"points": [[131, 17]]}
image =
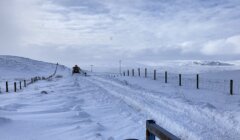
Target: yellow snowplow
{"points": [[76, 69]]}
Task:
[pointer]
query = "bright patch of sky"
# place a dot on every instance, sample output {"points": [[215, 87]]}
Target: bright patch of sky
{"points": [[105, 31]]}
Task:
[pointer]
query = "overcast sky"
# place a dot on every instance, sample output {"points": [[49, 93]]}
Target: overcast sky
{"points": [[104, 31]]}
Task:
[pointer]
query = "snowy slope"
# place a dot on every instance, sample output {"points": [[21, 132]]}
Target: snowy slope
{"points": [[13, 67]]}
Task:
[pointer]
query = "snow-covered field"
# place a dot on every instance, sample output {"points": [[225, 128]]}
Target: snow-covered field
{"points": [[14, 69], [114, 108]]}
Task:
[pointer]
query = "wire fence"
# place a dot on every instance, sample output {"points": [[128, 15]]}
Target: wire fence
{"points": [[189, 81], [7, 86]]}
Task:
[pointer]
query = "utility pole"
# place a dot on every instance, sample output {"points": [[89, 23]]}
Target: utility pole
{"points": [[91, 68], [120, 67]]}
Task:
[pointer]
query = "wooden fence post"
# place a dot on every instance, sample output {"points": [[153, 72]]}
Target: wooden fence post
{"points": [[231, 87], [20, 84], [149, 136], [139, 73], [145, 72], [166, 77], [15, 87], [25, 84], [6, 86], [197, 81], [132, 72], [128, 72], [180, 80], [153, 130], [154, 75]]}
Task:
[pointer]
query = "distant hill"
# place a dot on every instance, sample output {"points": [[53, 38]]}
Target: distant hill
{"points": [[20, 67], [212, 63], [191, 66]]}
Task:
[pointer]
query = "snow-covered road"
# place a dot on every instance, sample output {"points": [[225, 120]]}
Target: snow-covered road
{"points": [[183, 118], [73, 109], [98, 107]]}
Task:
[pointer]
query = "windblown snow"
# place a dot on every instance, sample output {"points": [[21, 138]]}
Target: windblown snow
{"points": [[107, 107]]}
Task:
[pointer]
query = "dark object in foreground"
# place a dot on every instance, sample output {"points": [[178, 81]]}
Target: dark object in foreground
{"points": [[44, 92], [152, 130]]}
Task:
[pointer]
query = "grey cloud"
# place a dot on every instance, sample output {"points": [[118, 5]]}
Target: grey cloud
{"points": [[104, 31], [85, 6], [159, 54]]}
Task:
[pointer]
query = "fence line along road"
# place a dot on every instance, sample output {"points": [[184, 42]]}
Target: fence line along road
{"points": [[190, 81]]}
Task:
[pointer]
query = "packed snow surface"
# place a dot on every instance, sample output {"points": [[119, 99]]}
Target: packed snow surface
{"points": [[106, 107]]}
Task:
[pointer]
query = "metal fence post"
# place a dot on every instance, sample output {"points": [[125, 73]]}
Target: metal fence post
{"points": [[145, 72], [197, 81], [166, 77], [132, 72], [15, 87], [139, 74], [25, 84], [6, 86], [20, 84], [180, 80], [231, 87], [154, 75], [128, 72]]}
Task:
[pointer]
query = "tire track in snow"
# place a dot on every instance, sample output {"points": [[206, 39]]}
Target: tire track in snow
{"points": [[222, 119], [186, 117], [147, 108], [110, 110], [205, 110]]}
